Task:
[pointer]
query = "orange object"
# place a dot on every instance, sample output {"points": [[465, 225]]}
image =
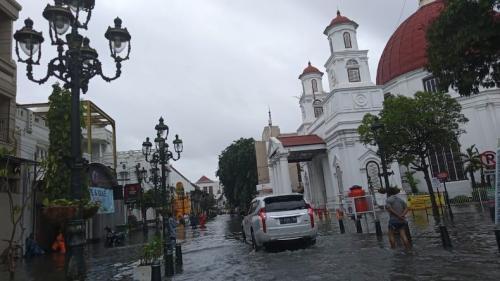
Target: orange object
{"points": [[59, 245], [361, 203]]}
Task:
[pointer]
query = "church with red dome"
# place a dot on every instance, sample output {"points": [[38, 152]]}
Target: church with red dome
{"points": [[328, 168]]}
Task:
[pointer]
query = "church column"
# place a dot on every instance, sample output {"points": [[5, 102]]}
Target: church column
{"points": [[328, 176], [272, 177], [286, 186]]}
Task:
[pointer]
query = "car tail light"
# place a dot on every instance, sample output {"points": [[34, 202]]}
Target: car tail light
{"points": [[310, 211], [262, 216]]}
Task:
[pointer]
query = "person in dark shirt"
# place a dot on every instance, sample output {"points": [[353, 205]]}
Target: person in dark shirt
{"points": [[397, 209]]}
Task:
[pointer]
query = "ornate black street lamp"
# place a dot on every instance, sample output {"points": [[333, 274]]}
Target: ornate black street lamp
{"points": [[141, 175], [377, 128], [161, 156], [75, 64]]}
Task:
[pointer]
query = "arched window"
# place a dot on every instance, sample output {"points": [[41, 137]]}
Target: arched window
{"points": [[347, 40], [314, 85], [318, 108], [353, 71]]}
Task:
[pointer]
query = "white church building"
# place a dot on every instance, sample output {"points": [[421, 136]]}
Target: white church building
{"points": [[327, 145]]}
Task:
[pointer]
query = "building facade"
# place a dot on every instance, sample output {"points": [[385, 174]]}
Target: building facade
{"points": [[9, 12], [327, 146]]}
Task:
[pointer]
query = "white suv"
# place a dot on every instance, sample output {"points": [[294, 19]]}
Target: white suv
{"points": [[279, 217]]}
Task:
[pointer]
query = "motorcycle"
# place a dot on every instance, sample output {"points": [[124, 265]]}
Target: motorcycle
{"points": [[113, 238]]}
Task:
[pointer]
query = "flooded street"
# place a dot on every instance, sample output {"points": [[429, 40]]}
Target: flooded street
{"points": [[218, 253]]}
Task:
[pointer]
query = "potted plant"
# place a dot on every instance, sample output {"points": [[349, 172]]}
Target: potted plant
{"points": [[151, 255]]}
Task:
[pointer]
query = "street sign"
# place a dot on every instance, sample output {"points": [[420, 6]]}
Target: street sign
{"points": [[488, 159], [435, 182], [132, 193], [442, 176]]}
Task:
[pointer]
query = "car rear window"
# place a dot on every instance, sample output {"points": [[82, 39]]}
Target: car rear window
{"points": [[285, 203]]}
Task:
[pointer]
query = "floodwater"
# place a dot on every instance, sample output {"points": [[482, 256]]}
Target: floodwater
{"points": [[218, 253]]}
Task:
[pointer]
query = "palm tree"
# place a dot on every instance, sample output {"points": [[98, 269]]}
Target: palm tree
{"points": [[472, 161]]}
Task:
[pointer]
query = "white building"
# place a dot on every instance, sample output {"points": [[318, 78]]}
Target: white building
{"points": [[209, 186], [327, 146]]}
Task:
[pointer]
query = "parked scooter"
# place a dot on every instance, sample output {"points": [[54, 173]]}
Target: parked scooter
{"points": [[113, 238]]}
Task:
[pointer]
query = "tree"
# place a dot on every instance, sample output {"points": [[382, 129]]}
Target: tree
{"points": [[238, 172], [472, 163], [463, 45], [413, 127]]}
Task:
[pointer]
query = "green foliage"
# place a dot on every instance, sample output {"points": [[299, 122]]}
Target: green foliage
{"points": [[148, 199], [463, 46], [414, 126], [152, 251], [472, 162], [412, 181], [460, 199], [58, 174], [238, 172]]}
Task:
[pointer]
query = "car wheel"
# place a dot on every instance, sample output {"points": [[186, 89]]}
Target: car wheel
{"points": [[243, 236], [254, 242]]}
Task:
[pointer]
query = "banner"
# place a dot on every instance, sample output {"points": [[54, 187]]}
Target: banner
{"points": [[132, 193], [105, 197]]}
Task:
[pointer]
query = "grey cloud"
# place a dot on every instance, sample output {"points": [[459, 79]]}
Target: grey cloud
{"points": [[212, 67]]}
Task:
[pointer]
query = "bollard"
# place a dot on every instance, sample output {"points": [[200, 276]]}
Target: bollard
{"points": [[359, 229], [497, 235], [178, 254], [155, 271], [341, 225], [169, 263], [445, 237], [378, 228]]}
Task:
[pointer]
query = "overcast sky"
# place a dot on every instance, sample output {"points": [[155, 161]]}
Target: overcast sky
{"points": [[211, 68]]}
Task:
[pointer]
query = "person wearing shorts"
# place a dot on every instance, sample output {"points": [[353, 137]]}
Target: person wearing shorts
{"points": [[397, 209]]}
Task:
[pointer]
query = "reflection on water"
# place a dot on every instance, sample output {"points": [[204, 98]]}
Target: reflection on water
{"points": [[218, 253]]}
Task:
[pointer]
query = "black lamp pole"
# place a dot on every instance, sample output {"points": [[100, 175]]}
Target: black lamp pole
{"points": [[162, 155], [141, 175], [75, 64]]}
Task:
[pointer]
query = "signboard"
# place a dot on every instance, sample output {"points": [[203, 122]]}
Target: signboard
{"points": [[132, 193], [442, 176], [435, 182], [105, 198], [488, 159], [497, 191]]}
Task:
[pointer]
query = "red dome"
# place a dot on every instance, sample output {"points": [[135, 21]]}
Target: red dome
{"points": [[340, 20], [310, 69], [407, 47]]}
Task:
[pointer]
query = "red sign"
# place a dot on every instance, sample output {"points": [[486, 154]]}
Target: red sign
{"points": [[488, 159], [442, 176], [132, 192]]}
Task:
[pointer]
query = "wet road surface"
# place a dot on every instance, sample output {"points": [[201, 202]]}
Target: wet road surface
{"points": [[217, 253]]}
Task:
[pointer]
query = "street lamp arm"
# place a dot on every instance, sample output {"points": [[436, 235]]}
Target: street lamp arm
{"points": [[117, 74], [50, 72], [171, 156]]}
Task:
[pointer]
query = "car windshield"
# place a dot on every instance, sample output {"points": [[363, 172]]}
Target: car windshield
{"points": [[285, 203]]}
